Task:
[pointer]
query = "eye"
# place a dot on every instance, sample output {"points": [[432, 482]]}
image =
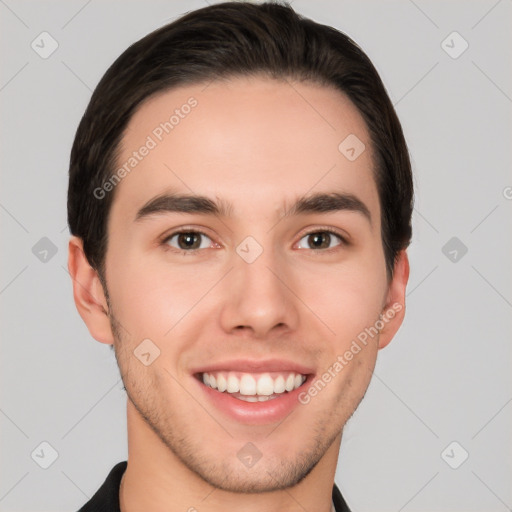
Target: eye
{"points": [[321, 240], [188, 240]]}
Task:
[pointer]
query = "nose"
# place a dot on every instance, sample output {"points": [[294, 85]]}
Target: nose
{"points": [[259, 300]]}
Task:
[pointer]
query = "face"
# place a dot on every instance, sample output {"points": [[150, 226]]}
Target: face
{"points": [[230, 313]]}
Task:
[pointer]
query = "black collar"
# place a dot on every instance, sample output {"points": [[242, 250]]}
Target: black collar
{"points": [[106, 498]]}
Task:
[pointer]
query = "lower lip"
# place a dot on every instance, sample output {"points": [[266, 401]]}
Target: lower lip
{"points": [[255, 413]]}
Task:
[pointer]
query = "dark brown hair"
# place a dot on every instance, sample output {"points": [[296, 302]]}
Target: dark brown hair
{"points": [[227, 40]]}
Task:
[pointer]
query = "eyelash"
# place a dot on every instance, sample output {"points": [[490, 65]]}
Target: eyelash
{"points": [[343, 240], [165, 240]]}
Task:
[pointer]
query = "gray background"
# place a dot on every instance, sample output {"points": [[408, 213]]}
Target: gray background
{"points": [[445, 377]]}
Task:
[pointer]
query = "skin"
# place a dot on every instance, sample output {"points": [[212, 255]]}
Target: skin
{"points": [[259, 144]]}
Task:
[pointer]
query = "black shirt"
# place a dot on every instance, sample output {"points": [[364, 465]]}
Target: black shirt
{"points": [[106, 498]]}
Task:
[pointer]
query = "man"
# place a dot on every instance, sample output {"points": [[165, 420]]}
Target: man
{"points": [[240, 202]]}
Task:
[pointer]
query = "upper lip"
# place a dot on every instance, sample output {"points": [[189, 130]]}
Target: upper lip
{"points": [[256, 366]]}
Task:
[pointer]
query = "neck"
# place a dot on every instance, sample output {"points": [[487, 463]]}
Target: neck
{"points": [[157, 481]]}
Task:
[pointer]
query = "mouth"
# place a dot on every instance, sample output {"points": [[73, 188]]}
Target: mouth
{"points": [[254, 394], [252, 387]]}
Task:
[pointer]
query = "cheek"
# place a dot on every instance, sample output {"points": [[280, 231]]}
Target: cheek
{"points": [[347, 299], [151, 297]]}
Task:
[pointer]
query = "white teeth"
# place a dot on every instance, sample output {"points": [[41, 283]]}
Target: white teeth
{"points": [[261, 387], [247, 385], [250, 398], [221, 382], [290, 382], [265, 385], [279, 385], [233, 384], [253, 398]]}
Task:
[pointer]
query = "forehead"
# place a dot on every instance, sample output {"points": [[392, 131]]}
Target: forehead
{"points": [[254, 142]]}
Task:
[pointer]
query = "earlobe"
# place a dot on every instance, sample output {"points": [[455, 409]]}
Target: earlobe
{"points": [[394, 309], [88, 293]]}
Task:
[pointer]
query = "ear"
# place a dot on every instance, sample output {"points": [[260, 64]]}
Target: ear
{"points": [[394, 308], [88, 293]]}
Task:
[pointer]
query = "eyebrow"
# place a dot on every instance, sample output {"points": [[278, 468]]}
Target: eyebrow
{"points": [[196, 204]]}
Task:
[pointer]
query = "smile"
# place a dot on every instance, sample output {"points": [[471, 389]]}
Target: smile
{"points": [[253, 387]]}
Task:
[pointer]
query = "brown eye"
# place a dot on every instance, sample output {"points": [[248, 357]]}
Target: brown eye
{"points": [[320, 240], [189, 241]]}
